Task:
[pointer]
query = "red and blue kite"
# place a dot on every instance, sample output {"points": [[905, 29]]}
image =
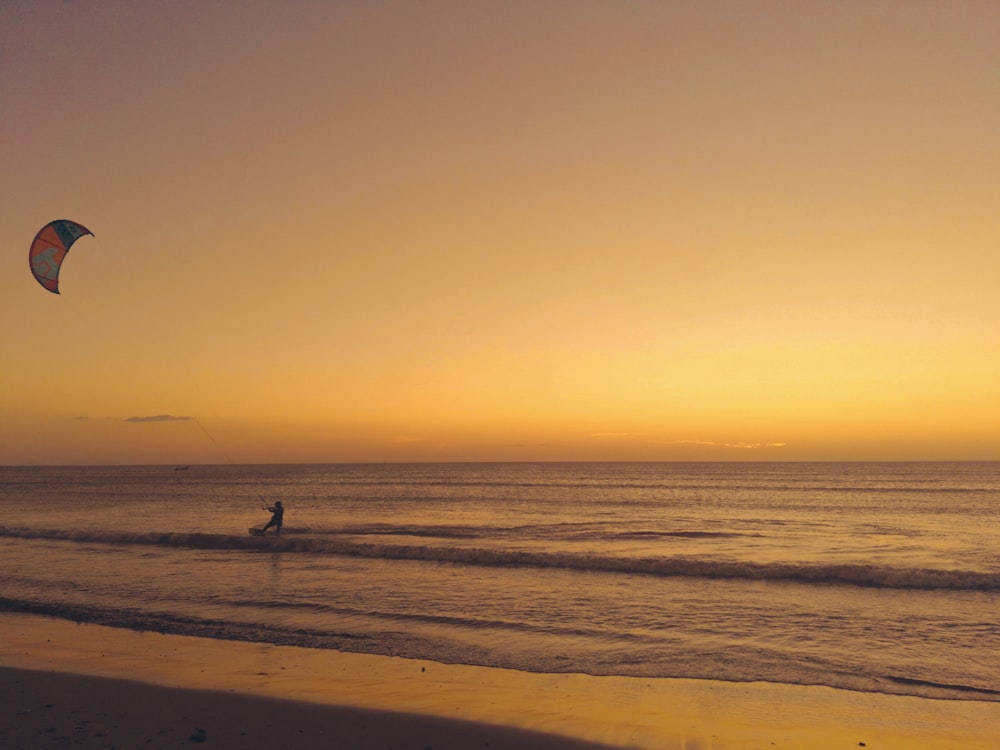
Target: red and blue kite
{"points": [[49, 248]]}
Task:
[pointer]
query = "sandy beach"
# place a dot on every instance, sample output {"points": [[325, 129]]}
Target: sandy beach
{"points": [[51, 709], [64, 684]]}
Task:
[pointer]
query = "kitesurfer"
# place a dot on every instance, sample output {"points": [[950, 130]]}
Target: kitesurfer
{"points": [[277, 515]]}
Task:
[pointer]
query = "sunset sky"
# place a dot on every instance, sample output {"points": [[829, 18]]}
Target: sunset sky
{"points": [[411, 231]]}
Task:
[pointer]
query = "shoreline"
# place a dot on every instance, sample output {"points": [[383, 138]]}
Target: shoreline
{"points": [[55, 676]]}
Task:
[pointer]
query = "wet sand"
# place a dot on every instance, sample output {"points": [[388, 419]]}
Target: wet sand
{"points": [[88, 686]]}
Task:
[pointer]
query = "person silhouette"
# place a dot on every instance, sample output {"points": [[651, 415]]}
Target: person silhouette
{"points": [[277, 516]]}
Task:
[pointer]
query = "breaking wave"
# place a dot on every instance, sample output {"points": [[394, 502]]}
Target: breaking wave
{"points": [[327, 544]]}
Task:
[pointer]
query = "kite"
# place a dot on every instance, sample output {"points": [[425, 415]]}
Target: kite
{"points": [[49, 248]]}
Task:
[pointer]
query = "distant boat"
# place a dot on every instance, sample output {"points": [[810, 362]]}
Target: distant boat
{"points": [[180, 468]]}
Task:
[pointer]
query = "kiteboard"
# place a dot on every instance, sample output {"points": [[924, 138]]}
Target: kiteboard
{"points": [[254, 531]]}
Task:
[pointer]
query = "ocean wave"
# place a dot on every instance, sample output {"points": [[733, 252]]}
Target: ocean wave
{"points": [[911, 488], [971, 689], [874, 576], [425, 618], [401, 644], [583, 531], [647, 535]]}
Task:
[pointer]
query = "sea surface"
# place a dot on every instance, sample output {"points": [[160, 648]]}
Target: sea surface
{"points": [[881, 577]]}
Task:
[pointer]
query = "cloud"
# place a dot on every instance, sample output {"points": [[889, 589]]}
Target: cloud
{"points": [[715, 444], [705, 443], [160, 418]]}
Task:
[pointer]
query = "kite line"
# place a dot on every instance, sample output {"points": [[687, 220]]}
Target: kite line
{"points": [[214, 441]]}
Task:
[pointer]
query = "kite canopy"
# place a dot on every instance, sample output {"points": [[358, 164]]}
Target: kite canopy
{"points": [[49, 248]]}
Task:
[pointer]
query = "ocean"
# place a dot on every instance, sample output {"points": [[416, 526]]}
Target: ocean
{"points": [[878, 577]]}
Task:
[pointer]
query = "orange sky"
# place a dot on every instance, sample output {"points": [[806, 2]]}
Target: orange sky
{"points": [[571, 230]]}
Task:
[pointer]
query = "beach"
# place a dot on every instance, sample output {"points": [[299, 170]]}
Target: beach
{"points": [[64, 684]]}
